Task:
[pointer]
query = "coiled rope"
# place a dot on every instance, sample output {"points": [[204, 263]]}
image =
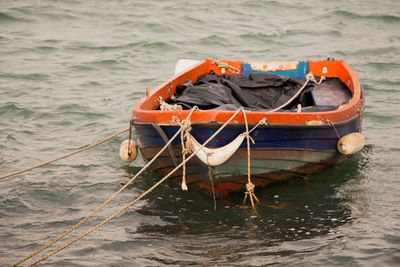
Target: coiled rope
{"points": [[64, 156], [141, 196]]}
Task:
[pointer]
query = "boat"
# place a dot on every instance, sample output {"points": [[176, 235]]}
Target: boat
{"points": [[286, 143]]}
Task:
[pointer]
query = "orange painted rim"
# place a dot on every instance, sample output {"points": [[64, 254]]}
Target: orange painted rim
{"points": [[144, 110]]}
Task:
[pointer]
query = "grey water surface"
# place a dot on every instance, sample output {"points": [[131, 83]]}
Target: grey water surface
{"points": [[70, 73]]}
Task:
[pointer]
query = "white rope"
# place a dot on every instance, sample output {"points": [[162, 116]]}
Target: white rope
{"points": [[108, 200], [249, 186], [64, 156], [134, 201], [309, 77], [165, 106]]}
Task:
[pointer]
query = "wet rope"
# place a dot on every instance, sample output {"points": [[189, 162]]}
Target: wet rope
{"points": [[186, 128], [138, 198], [249, 186], [108, 200], [211, 177], [64, 156]]}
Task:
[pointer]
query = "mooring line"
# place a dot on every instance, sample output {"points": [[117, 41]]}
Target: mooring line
{"points": [[249, 186], [108, 200], [64, 156], [141, 196]]}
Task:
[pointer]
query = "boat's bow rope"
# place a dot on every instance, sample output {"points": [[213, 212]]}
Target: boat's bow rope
{"points": [[186, 128], [65, 156], [101, 206], [128, 205]]}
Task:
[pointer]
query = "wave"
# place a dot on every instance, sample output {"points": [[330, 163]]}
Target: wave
{"points": [[29, 76], [4, 17], [79, 111], [127, 46], [352, 15], [214, 40], [11, 108]]}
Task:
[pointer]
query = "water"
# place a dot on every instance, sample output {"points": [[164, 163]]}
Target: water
{"points": [[70, 72]]}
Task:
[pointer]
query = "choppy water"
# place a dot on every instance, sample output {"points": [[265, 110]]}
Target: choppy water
{"points": [[70, 72]]}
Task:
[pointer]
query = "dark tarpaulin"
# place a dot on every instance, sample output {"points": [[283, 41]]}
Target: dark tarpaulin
{"points": [[257, 91]]}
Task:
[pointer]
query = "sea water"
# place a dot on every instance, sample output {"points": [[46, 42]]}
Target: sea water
{"points": [[70, 73]]}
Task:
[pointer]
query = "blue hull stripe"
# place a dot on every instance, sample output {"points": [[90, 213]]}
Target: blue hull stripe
{"points": [[322, 139]]}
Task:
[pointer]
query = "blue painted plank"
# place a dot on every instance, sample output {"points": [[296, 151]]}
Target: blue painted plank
{"points": [[299, 73]]}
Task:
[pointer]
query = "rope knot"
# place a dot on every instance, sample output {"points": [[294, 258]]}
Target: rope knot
{"points": [[186, 125], [250, 187], [186, 150], [248, 135], [310, 76]]}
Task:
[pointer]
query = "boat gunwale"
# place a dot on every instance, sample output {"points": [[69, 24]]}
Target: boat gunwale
{"points": [[213, 125], [142, 112]]}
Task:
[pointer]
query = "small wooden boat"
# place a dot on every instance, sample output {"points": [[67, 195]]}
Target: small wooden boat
{"points": [[292, 143]]}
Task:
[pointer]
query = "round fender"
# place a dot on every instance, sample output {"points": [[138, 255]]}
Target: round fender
{"points": [[351, 143], [124, 151]]}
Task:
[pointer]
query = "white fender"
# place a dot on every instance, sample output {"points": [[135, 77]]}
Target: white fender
{"points": [[216, 156], [184, 64], [351, 143]]}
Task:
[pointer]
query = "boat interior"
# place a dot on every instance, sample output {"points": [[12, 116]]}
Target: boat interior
{"points": [[258, 87], [260, 91]]}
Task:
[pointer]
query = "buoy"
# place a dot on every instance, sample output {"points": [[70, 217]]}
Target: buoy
{"points": [[124, 152], [351, 143]]}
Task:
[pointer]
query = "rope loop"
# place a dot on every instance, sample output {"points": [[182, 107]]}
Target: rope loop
{"points": [[186, 125], [248, 135], [310, 77]]}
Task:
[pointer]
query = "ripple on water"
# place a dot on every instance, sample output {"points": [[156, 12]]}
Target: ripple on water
{"points": [[70, 74], [7, 17], [368, 17]]}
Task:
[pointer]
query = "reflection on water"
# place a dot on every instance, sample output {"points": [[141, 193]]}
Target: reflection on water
{"points": [[297, 211]]}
